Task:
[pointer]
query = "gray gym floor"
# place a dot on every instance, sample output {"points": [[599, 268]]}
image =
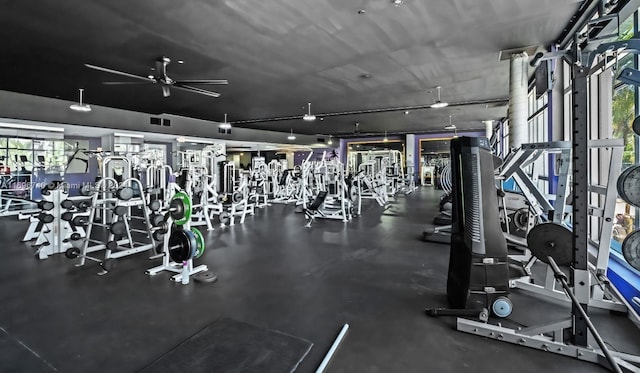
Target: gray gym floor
{"points": [[373, 273]]}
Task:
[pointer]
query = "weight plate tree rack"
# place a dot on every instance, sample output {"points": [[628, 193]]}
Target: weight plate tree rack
{"points": [[182, 244], [550, 336]]}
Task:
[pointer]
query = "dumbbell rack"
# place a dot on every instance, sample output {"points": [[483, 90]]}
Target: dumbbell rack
{"points": [[54, 236], [115, 250]]}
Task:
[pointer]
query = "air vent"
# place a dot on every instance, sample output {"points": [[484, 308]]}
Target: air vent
{"points": [[321, 140], [166, 122], [155, 121]]}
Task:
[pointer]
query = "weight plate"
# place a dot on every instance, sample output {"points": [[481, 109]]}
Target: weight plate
{"points": [[112, 245], [629, 185], [631, 249], [67, 216], [206, 276], [353, 193], [237, 197], [521, 219], [80, 221], [118, 228], [75, 236], [124, 193], [67, 204], [636, 125], [200, 245], [502, 307], [551, 239], [181, 244], [182, 205], [72, 253]]}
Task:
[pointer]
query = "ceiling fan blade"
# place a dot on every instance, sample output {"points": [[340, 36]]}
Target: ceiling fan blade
{"points": [[166, 92], [203, 81], [119, 72], [125, 83], [196, 90]]}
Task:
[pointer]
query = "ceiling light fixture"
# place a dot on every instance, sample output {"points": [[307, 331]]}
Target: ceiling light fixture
{"points": [[194, 140], [386, 139], [20, 126], [81, 107], [309, 117], [291, 136], [330, 141], [398, 2], [453, 127], [439, 104], [134, 135], [225, 125]]}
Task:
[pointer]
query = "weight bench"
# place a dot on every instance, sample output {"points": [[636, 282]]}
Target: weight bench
{"points": [[310, 212]]}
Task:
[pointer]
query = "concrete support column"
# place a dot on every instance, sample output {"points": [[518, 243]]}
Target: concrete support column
{"points": [[518, 105]]}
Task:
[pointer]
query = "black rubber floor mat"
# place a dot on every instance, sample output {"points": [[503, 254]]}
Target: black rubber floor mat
{"points": [[232, 346]]}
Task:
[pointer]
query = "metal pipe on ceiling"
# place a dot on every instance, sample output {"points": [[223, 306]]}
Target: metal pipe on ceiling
{"points": [[494, 101]]}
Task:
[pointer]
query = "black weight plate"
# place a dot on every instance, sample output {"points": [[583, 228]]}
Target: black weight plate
{"points": [[118, 228], [83, 205], [67, 204], [45, 218], [176, 208], [80, 221], [75, 236], [67, 216], [124, 193], [636, 125], [628, 185], [551, 239], [237, 197], [86, 190], [179, 246], [72, 253], [120, 210], [206, 277], [631, 249]]}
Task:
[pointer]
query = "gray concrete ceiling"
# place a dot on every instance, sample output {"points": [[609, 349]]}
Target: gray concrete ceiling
{"points": [[280, 54]]}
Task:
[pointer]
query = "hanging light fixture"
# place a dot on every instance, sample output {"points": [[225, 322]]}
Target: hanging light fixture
{"points": [[225, 125], [308, 116], [291, 136], [453, 127], [330, 141], [81, 107], [386, 139], [439, 104]]}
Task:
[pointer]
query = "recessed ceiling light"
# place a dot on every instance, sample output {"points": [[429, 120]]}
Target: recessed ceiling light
{"points": [[180, 61], [365, 76], [362, 11], [406, 112]]}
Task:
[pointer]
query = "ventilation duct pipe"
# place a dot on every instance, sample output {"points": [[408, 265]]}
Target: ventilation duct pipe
{"points": [[518, 106]]}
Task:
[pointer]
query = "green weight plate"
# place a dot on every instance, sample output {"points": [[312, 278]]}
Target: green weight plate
{"points": [[182, 202], [200, 245]]}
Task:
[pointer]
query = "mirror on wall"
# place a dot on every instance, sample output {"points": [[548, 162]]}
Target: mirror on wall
{"points": [[434, 157]]}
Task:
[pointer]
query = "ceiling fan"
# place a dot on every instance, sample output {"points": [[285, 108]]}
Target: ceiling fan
{"points": [[160, 77]]}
